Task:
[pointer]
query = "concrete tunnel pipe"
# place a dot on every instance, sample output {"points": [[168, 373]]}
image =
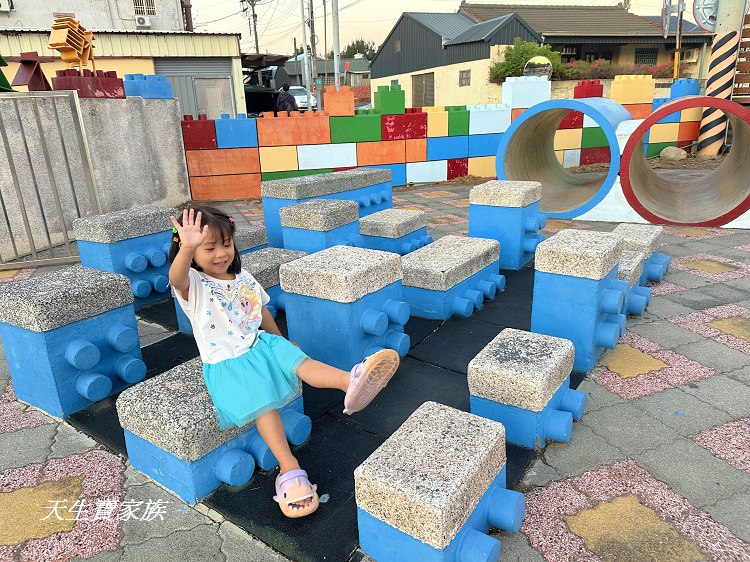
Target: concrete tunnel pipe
{"points": [[526, 152], [711, 200]]}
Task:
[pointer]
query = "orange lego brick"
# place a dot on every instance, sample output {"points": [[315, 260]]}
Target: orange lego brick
{"points": [[312, 127], [639, 110], [225, 188], [689, 131], [416, 150], [382, 152], [222, 161]]}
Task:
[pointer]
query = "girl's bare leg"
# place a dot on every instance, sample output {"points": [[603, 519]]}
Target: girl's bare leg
{"points": [[320, 375]]}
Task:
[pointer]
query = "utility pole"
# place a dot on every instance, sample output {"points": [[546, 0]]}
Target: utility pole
{"points": [[187, 15], [304, 51], [252, 20], [313, 40], [336, 52], [325, 46]]}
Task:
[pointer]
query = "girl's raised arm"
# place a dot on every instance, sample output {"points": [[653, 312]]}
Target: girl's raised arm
{"points": [[191, 236]]}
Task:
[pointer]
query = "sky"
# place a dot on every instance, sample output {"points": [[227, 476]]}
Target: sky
{"points": [[372, 20]]}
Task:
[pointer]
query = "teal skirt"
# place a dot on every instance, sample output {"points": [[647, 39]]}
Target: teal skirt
{"points": [[263, 379]]}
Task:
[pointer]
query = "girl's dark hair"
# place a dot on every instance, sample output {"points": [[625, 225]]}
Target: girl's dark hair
{"points": [[219, 222]]}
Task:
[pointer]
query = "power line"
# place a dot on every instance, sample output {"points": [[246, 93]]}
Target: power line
{"points": [[202, 23]]}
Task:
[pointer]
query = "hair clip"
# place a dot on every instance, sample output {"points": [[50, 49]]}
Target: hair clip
{"points": [[174, 230], [231, 219]]}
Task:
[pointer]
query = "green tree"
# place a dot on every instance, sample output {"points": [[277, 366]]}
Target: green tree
{"points": [[516, 57], [367, 48]]}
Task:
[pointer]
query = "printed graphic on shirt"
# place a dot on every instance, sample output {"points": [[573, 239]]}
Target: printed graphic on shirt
{"points": [[244, 290]]}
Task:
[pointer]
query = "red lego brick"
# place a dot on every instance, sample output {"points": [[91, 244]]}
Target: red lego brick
{"points": [[573, 120], [458, 168], [200, 134], [599, 155], [89, 85], [588, 89], [406, 126], [413, 110], [344, 169]]}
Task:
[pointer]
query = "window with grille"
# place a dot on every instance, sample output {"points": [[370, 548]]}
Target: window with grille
{"points": [[144, 7], [464, 77], [646, 56], [397, 46]]}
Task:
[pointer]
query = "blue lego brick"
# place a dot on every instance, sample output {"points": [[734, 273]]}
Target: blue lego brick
{"points": [[446, 148], [529, 429], [673, 118], [655, 267], [484, 145], [143, 260], [73, 366], [233, 461], [584, 311], [516, 228], [403, 245], [147, 86], [499, 508], [461, 299], [684, 87], [636, 300], [236, 133], [398, 172], [253, 249], [371, 199], [342, 334], [312, 241]]}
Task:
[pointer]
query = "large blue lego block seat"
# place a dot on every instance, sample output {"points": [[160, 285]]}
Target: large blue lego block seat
{"points": [[369, 187], [134, 242], [173, 436], [70, 338], [249, 237], [312, 226], [509, 212], [434, 488], [344, 304], [630, 270], [577, 295], [522, 380], [645, 238], [453, 275], [147, 86], [262, 264], [395, 230]]}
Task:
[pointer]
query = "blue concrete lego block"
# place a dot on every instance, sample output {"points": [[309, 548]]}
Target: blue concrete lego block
{"points": [[499, 508], [236, 133], [75, 365], [343, 334], [636, 300], [461, 299], [584, 311], [516, 228], [312, 241], [655, 268], [398, 172], [143, 260], [484, 145], [673, 118], [232, 462], [371, 199], [529, 429], [147, 86], [446, 148], [253, 249], [403, 245], [684, 87]]}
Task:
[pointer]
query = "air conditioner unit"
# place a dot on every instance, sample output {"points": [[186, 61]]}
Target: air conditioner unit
{"points": [[6, 5], [142, 22], [690, 55]]}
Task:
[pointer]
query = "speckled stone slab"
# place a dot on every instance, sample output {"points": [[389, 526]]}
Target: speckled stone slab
{"points": [[264, 264], [640, 237], [303, 187], [506, 193], [340, 273], [427, 478], [249, 235], [448, 261], [392, 223], [521, 369], [631, 266], [123, 225], [62, 297], [578, 253], [174, 412], [319, 214]]}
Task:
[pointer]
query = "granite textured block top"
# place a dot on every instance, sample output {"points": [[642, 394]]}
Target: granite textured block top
{"points": [[429, 475], [304, 187], [249, 235], [319, 214], [340, 273], [392, 223], [123, 225], [578, 253], [174, 412], [631, 266], [506, 193], [521, 369], [264, 264], [640, 237], [62, 297], [448, 261]]}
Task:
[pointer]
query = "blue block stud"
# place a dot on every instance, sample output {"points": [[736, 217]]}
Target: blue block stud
{"points": [[82, 354], [235, 467], [93, 386]]}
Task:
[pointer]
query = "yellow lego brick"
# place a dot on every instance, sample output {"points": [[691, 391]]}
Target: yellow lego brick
{"points": [[633, 89], [560, 155], [663, 132], [437, 124], [432, 109], [278, 158], [568, 139], [692, 114], [482, 167]]}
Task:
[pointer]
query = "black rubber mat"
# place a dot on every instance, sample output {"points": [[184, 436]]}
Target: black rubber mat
{"points": [[162, 313]]}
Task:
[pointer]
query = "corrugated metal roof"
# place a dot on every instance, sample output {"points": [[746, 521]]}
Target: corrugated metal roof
{"points": [[129, 31], [481, 31], [687, 26], [445, 25]]}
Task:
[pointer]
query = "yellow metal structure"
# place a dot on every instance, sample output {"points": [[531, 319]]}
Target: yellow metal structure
{"points": [[74, 43]]}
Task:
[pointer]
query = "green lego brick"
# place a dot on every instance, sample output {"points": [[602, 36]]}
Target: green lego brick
{"points": [[265, 176], [458, 120], [390, 101], [593, 137], [360, 128], [654, 149], [4, 85]]}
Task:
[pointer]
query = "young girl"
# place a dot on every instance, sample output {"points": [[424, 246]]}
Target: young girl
{"points": [[249, 369]]}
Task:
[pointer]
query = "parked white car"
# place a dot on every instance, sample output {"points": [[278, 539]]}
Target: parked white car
{"points": [[300, 95]]}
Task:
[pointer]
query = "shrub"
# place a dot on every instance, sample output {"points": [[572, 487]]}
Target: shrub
{"points": [[516, 57]]}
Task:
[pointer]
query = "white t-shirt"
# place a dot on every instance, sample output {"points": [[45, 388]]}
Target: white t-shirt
{"points": [[225, 315]]}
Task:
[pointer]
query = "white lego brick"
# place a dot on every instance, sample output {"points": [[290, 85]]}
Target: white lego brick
{"points": [[572, 158], [624, 130], [427, 172], [314, 156], [589, 122], [526, 91], [489, 118]]}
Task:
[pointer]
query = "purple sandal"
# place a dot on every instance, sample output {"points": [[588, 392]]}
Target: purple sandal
{"points": [[292, 488], [368, 378]]}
